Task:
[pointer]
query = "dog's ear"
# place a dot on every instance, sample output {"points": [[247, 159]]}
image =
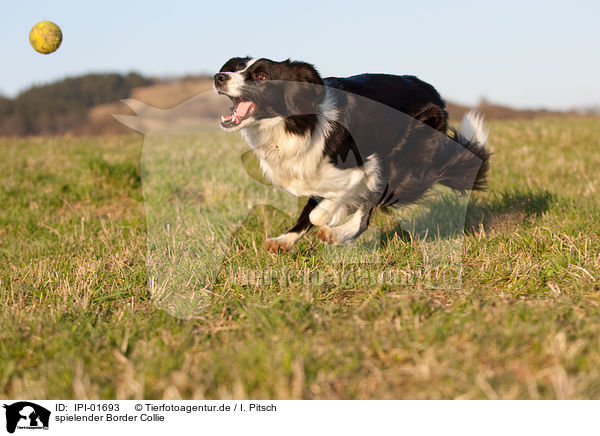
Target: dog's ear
{"points": [[235, 64], [304, 91]]}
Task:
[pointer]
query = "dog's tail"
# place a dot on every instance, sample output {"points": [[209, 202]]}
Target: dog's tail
{"points": [[465, 160]]}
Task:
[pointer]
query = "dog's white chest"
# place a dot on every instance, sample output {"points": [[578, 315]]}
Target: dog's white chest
{"points": [[291, 162], [300, 178], [298, 164]]}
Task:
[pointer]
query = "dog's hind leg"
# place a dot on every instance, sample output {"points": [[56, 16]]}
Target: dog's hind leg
{"points": [[286, 241], [350, 230]]}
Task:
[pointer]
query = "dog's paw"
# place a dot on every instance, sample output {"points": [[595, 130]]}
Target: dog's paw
{"points": [[326, 235], [279, 245], [319, 217], [334, 236]]}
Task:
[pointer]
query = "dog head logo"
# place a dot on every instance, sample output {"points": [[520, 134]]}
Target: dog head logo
{"points": [[26, 415]]}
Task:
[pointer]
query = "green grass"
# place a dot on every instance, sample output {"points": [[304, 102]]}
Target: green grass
{"points": [[80, 318]]}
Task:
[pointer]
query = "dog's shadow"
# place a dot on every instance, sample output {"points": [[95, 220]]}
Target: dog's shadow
{"points": [[447, 216], [450, 216], [507, 210]]}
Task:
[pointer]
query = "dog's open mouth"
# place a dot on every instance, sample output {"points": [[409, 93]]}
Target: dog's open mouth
{"points": [[241, 110]]}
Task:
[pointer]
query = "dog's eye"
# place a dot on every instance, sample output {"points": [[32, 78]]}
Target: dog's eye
{"points": [[259, 76]]}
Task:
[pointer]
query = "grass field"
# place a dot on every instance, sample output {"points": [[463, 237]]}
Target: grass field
{"points": [[80, 319]]}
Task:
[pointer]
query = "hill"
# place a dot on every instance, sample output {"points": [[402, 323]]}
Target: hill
{"points": [[498, 112], [85, 104], [63, 106]]}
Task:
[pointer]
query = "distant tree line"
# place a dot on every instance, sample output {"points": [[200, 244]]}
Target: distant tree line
{"points": [[61, 106]]}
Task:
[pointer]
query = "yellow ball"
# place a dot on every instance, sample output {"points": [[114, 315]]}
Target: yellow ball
{"points": [[45, 37]]}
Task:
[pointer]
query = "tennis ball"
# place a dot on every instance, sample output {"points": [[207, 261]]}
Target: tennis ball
{"points": [[45, 37]]}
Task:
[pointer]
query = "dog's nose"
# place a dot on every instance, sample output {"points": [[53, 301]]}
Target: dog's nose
{"points": [[221, 78]]}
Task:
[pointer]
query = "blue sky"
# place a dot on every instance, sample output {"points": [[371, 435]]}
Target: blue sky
{"points": [[526, 53]]}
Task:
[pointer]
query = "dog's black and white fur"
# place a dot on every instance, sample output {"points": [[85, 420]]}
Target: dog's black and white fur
{"points": [[348, 144]]}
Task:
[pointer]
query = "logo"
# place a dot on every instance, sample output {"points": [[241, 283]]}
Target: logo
{"points": [[26, 415]]}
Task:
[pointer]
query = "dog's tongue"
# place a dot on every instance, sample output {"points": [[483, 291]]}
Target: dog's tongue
{"points": [[242, 108]]}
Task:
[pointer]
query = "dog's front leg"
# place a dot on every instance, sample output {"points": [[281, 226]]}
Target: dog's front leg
{"points": [[286, 241], [349, 231], [327, 212]]}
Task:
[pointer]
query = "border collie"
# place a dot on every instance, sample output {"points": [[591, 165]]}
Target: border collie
{"points": [[348, 144]]}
